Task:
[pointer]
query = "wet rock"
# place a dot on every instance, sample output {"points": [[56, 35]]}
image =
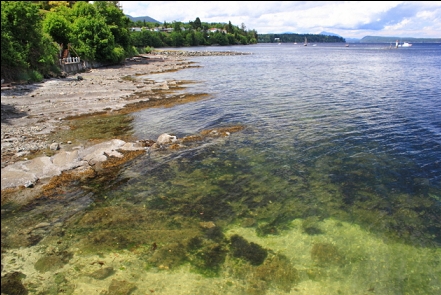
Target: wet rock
{"points": [[100, 152], [14, 176], [67, 160], [166, 139], [54, 146]]}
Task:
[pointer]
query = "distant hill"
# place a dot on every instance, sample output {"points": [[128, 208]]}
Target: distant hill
{"points": [[352, 40], [348, 40], [329, 34], [148, 19], [378, 39]]}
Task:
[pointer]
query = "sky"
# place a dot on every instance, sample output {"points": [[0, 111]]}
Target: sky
{"points": [[349, 19]]}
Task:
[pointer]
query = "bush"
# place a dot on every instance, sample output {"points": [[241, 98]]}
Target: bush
{"points": [[148, 49], [29, 76], [35, 76], [118, 54]]}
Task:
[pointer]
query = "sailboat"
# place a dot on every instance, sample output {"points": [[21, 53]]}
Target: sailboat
{"points": [[306, 42]]}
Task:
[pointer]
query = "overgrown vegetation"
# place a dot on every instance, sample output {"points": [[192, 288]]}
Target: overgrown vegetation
{"points": [[193, 33], [35, 34]]}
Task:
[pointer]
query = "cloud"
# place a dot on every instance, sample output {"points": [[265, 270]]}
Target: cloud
{"points": [[347, 18]]}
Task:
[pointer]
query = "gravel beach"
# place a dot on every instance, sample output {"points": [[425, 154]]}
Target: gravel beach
{"points": [[30, 112]]}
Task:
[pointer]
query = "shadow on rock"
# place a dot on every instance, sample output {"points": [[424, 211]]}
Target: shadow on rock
{"points": [[10, 112]]}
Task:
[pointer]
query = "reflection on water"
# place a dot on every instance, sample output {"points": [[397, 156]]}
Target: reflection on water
{"points": [[330, 201]]}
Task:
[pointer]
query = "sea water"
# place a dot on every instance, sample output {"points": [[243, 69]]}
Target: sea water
{"points": [[332, 187]]}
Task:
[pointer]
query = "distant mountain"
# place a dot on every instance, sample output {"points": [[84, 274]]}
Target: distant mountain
{"points": [[148, 19]]}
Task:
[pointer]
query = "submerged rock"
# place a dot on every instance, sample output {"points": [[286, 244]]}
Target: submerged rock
{"points": [[11, 284], [52, 262], [311, 226], [120, 288], [102, 273], [169, 256], [324, 253], [249, 251]]}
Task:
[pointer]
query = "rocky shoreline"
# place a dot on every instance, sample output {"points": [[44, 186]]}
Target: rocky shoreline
{"points": [[32, 114]]}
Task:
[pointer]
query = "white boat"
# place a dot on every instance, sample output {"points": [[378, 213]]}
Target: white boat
{"points": [[405, 44], [306, 42]]}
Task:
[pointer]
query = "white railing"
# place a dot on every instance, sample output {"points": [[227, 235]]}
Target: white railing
{"points": [[70, 60]]}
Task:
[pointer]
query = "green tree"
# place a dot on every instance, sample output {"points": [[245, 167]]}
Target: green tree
{"points": [[91, 37], [177, 27], [197, 24], [219, 38], [146, 38], [82, 9], [176, 39], [116, 20], [58, 27], [25, 49], [231, 39], [199, 39], [190, 39]]}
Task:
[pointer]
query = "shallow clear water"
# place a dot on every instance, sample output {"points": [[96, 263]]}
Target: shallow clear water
{"points": [[333, 187]]}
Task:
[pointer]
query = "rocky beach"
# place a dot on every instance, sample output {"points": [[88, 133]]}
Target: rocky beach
{"points": [[32, 115]]}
